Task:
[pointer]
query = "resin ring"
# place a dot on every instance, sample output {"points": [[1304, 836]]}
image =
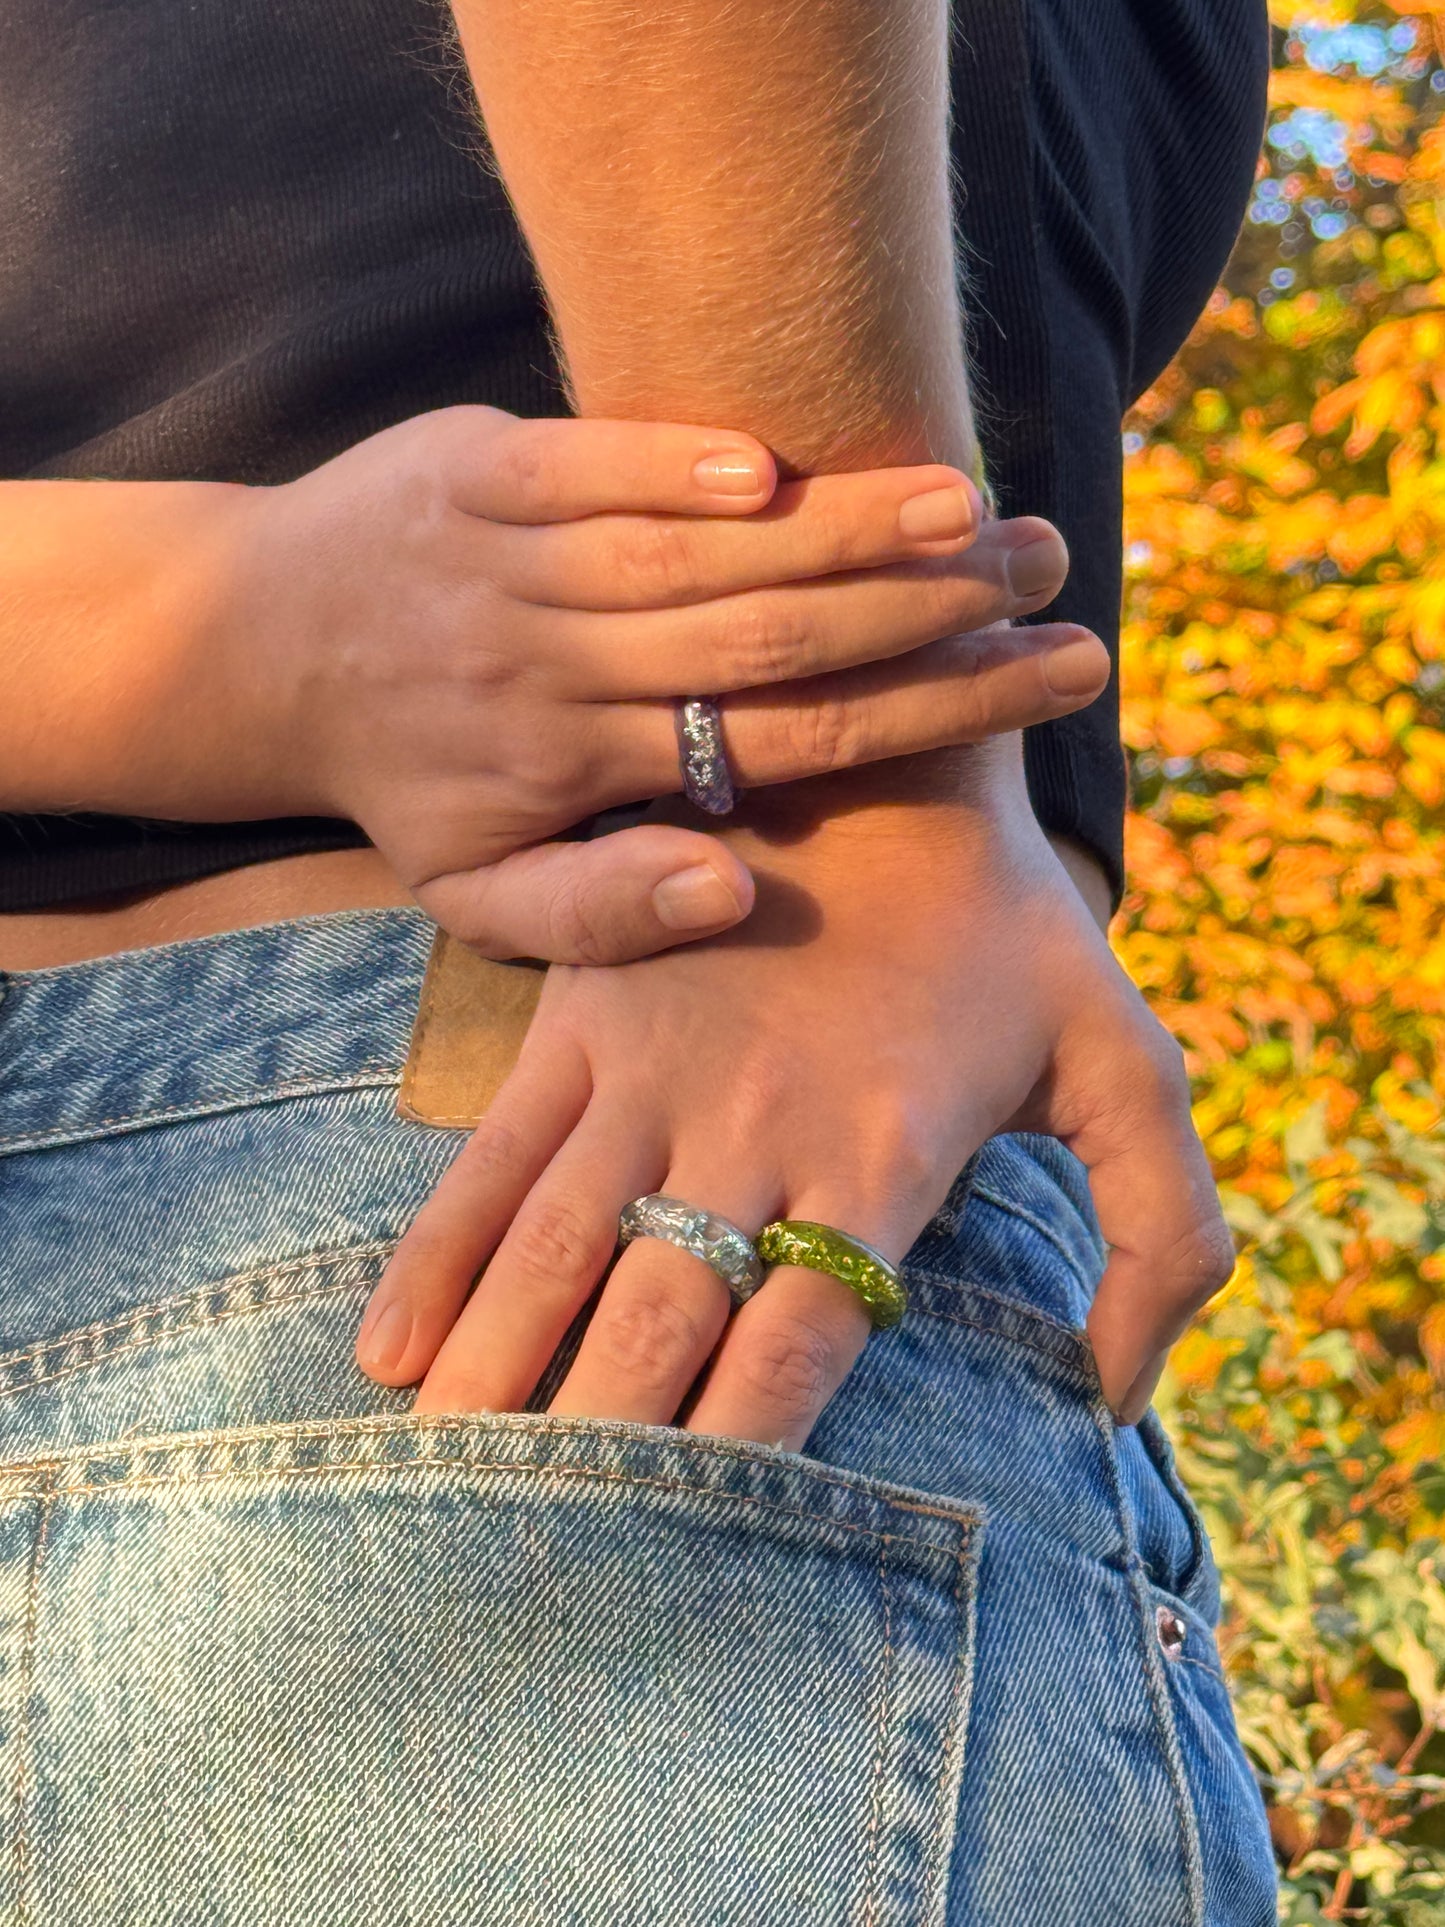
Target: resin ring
{"points": [[707, 781], [728, 1251], [795, 1241]]}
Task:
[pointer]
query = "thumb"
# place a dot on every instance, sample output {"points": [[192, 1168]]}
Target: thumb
{"points": [[1152, 1289], [1126, 1115], [621, 896]]}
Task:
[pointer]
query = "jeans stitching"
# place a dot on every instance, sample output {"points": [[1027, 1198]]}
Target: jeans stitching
{"points": [[379, 1074], [420, 1028], [157, 1307], [966, 1527], [956, 1744], [1160, 1453], [1075, 1368], [1175, 1768], [1041, 1226], [330, 918], [875, 1799], [1019, 1307], [382, 1424], [1216, 1673], [29, 1652], [175, 1307], [1156, 1686]]}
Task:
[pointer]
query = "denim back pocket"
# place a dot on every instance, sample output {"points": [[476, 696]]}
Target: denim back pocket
{"points": [[508, 1669]]}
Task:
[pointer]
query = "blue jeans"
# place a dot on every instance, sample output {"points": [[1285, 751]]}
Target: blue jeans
{"points": [[275, 1651]]}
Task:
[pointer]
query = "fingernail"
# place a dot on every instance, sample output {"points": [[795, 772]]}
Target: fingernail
{"points": [[694, 898], [1077, 668], [727, 475], [1037, 566], [939, 515], [384, 1340]]}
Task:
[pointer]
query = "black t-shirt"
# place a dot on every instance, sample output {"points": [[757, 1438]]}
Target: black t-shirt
{"points": [[235, 240]]}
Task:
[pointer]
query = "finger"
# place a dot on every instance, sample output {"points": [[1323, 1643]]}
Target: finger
{"points": [[432, 1269], [618, 897], [961, 689], [814, 526], [659, 1316], [514, 469], [792, 1344], [546, 1268], [781, 632], [1158, 1209]]}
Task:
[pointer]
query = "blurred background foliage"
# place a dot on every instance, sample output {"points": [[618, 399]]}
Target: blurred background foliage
{"points": [[1284, 656]]}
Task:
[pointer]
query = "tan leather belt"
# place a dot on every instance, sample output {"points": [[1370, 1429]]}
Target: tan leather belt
{"points": [[470, 1023]]}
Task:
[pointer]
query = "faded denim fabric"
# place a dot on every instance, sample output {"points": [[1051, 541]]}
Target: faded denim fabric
{"points": [[276, 1653]]}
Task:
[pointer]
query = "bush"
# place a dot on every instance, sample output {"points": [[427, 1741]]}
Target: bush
{"points": [[1284, 669]]}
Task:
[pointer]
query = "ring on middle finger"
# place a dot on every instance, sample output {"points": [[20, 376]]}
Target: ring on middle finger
{"points": [[722, 1247]]}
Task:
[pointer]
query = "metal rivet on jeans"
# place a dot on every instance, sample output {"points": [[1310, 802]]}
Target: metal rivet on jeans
{"points": [[1171, 1631]]}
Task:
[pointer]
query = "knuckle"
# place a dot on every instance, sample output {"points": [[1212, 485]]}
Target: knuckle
{"points": [[827, 734], [901, 1164], [1160, 1071], [654, 560], [497, 1148], [758, 1098], [524, 806], [833, 538], [542, 778], [789, 1366], [1202, 1260], [757, 643], [527, 464], [647, 1337], [575, 931], [762, 1089], [982, 678], [963, 603], [969, 704], [554, 1245]]}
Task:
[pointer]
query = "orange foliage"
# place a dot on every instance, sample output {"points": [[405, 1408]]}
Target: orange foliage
{"points": [[1284, 678]]}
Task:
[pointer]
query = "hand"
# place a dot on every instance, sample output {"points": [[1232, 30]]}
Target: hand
{"points": [[479, 624], [917, 976]]}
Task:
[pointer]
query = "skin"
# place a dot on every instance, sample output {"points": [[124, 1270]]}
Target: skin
{"points": [[650, 1076], [465, 634], [807, 288]]}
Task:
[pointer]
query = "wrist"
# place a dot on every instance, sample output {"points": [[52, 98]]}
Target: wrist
{"points": [[230, 750], [951, 788], [955, 824], [260, 661], [963, 810]]}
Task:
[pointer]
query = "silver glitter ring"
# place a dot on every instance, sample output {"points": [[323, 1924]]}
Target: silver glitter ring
{"points": [[707, 781], [721, 1246]]}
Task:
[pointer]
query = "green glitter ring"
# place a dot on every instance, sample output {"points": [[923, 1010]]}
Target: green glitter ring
{"points": [[819, 1247]]}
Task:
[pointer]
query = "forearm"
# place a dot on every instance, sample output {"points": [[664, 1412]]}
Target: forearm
{"points": [[119, 694], [750, 226], [740, 214]]}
